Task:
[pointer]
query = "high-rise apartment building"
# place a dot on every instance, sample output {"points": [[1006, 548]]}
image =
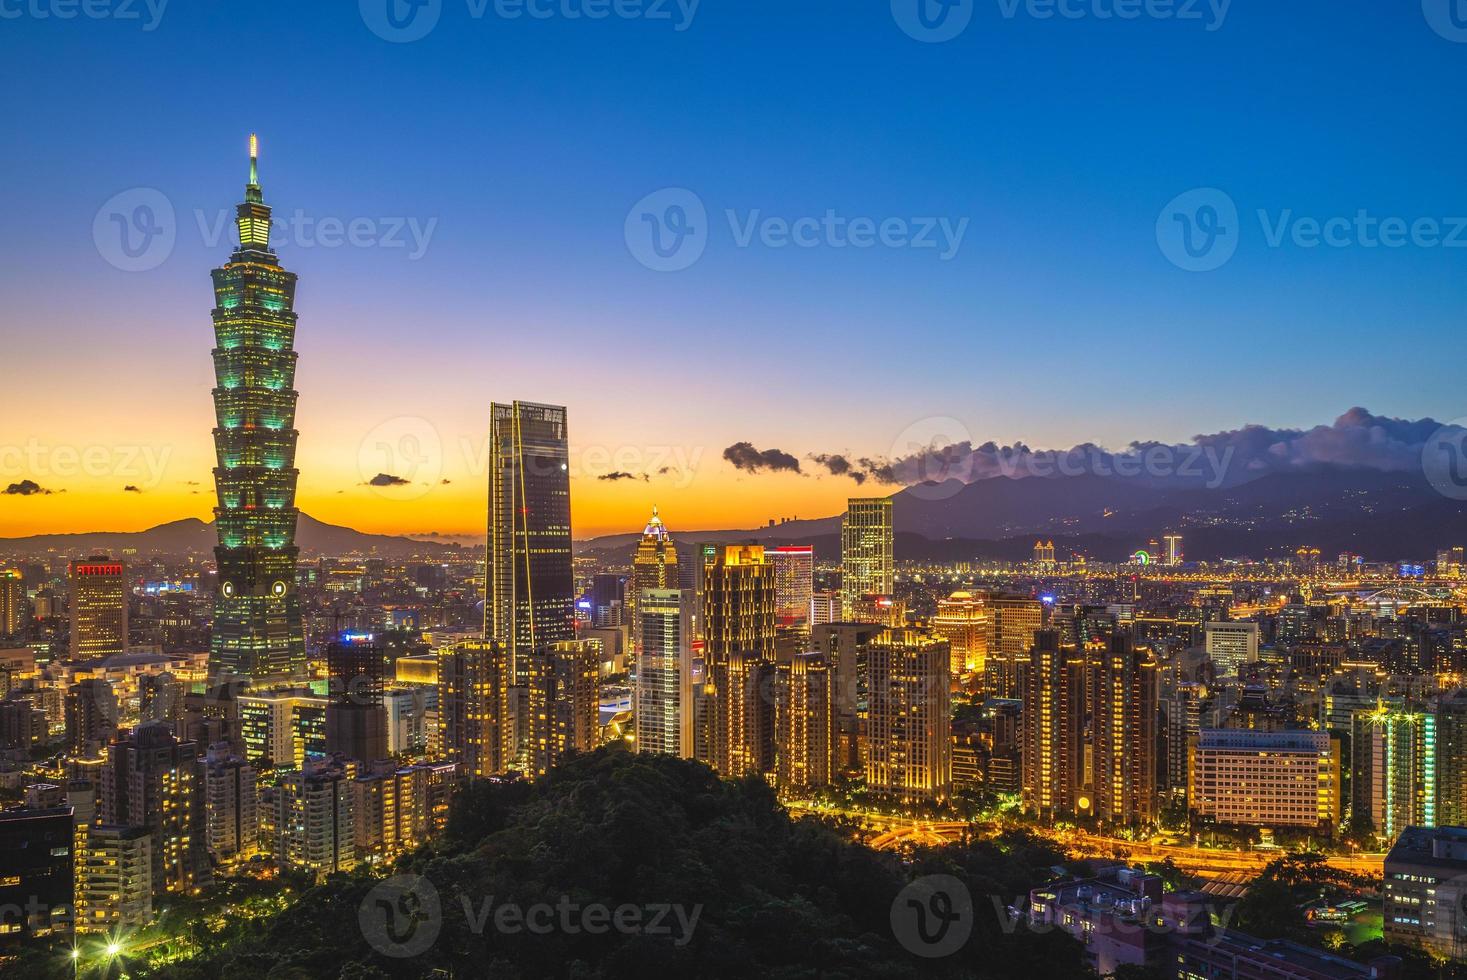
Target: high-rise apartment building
{"points": [[867, 552], [803, 724], [283, 728], [663, 709], [474, 727], [739, 650], [845, 649], [1451, 760], [356, 720], [1053, 683], [654, 566], [257, 634], [909, 741], [1266, 779], [1124, 715], [1013, 620], [563, 702], [91, 716], [114, 879], [529, 592], [1395, 768], [962, 620], [231, 806], [98, 608], [314, 819], [12, 601], [153, 780]]}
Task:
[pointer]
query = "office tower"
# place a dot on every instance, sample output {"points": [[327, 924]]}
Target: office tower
{"points": [[794, 587], [1451, 762], [909, 743], [12, 602], [1173, 546], [152, 780], [1012, 622], [231, 806], [473, 707], [738, 631], [663, 709], [608, 599], [563, 702], [654, 566], [1123, 695], [257, 635], [1053, 682], [36, 870], [1230, 646], [1181, 711], [396, 809], [1266, 779], [161, 698], [1044, 555], [356, 721], [866, 552], [1394, 769], [825, 608], [412, 719], [1425, 879], [114, 879], [98, 608], [962, 620], [530, 585], [91, 716], [803, 724], [283, 728], [314, 819], [845, 649]]}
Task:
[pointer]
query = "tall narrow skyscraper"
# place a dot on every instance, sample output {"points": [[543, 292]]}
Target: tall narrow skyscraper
{"points": [[530, 589], [654, 566], [794, 587], [257, 617], [98, 608], [664, 691], [866, 552]]}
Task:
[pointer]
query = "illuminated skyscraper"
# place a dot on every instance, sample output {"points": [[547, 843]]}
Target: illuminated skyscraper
{"points": [[530, 588], [804, 727], [1230, 646], [866, 552], [1012, 622], [1173, 543], [1451, 763], [98, 608], [1123, 694], [257, 618], [473, 707], [794, 587], [909, 745], [12, 602], [664, 695], [153, 780], [1052, 681], [738, 629], [654, 566], [1394, 771], [563, 702], [962, 620]]}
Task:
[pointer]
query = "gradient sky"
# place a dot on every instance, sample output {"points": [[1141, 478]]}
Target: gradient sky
{"points": [[528, 141]]}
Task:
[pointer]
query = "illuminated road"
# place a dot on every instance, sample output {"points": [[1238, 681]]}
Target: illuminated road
{"points": [[894, 832]]}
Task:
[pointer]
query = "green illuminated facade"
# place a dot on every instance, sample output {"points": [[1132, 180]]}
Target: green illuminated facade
{"points": [[257, 618]]}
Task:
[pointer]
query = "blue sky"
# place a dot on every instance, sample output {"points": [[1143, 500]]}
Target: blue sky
{"points": [[526, 141]]}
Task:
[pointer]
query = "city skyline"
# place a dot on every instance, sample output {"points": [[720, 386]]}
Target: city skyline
{"points": [[534, 217]]}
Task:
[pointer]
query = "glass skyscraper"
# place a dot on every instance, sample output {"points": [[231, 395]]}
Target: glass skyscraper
{"points": [[530, 589], [257, 618]]}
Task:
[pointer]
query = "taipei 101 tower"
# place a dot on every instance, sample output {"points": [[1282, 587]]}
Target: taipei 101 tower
{"points": [[257, 616]]}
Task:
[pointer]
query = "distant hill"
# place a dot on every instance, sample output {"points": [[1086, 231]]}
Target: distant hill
{"points": [[192, 535]]}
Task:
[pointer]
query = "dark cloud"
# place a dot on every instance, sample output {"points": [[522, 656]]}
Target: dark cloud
{"points": [[131, 489], [26, 488], [387, 480], [445, 481], [839, 465], [616, 475], [745, 457]]}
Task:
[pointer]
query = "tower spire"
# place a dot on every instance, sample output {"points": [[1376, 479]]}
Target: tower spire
{"points": [[254, 160]]}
